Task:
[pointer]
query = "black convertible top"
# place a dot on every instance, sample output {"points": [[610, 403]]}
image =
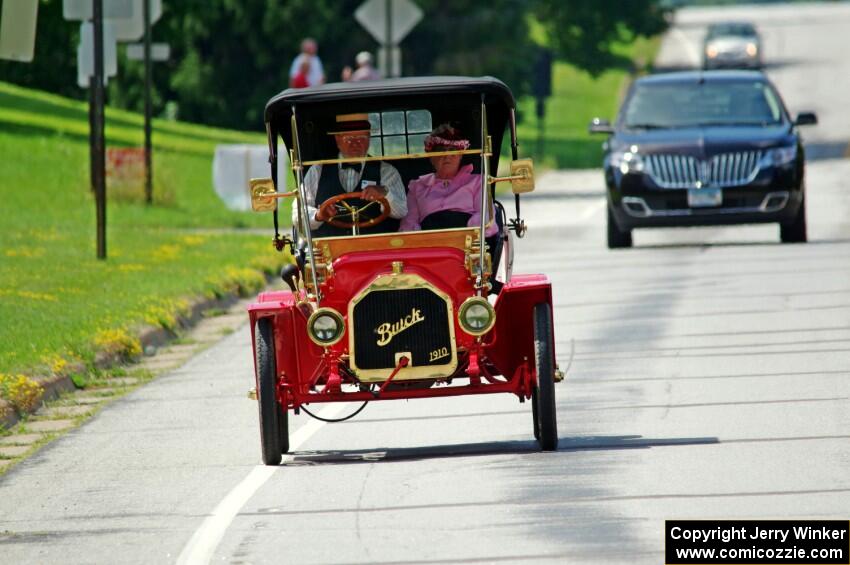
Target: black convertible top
{"points": [[445, 97], [495, 92]]}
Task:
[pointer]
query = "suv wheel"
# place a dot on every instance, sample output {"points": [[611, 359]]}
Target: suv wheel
{"points": [[617, 238], [795, 232]]}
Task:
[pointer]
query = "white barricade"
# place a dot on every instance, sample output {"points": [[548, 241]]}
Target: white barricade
{"points": [[235, 165]]}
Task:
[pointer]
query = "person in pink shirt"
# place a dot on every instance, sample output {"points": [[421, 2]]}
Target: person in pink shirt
{"points": [[450, 197]]}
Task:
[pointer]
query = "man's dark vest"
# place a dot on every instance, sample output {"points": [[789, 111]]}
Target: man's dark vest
{"points": [[329, 186]]}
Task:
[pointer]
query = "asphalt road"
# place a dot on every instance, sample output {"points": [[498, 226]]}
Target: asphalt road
{"points": [[708, 378]]}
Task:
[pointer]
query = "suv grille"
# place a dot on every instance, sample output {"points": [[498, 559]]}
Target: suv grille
{"points": [[414, 320], [685, 171]]}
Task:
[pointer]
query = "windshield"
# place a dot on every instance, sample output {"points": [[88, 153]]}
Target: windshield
{"points": [[735, 30], [694, 104]]}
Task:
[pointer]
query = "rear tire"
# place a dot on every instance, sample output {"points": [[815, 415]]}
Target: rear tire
{"points": [[616, 238], [274, 421], [795, 232], [546, 415]]}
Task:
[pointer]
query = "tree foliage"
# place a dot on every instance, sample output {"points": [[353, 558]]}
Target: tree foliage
{"points": [[584, 32], [231, 56], [228, 57], [470, 37]]}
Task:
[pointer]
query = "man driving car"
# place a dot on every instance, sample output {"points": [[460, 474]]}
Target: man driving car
{"points": [[374, 179]]}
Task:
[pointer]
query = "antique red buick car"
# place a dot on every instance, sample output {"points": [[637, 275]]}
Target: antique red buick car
{"points": [[386, 303]]}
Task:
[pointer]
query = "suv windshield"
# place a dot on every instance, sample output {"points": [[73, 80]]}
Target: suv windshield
{"points": [[694, 104], [726, 30]]}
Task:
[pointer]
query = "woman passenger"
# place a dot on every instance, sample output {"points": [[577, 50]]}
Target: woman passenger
{"points": [[450, 197]]}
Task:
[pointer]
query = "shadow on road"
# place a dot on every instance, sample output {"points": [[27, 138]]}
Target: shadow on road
{"points": [[721, 244], [345, 457], [571, 195]]}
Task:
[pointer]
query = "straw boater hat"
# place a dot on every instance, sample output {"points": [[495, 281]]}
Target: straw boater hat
{"points": [[350, 123]]}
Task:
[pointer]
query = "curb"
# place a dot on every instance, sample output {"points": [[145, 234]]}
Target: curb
{"points": [[155, 336]]}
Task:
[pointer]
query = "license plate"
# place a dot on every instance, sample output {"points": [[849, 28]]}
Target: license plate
{"points": [[704, 197]]}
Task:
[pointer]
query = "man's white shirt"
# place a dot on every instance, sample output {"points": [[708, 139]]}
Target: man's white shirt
{"points": [[349, 178]]}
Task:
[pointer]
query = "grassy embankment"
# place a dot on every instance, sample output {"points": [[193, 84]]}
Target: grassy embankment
{"points": [[577, 97], [57, 302]]}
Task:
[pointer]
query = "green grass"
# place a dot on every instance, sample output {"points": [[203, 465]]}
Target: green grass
{"points": [[577, 97], [55, 297]]}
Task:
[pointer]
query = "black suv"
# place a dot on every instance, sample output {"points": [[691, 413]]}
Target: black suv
{"points": [[704, 148]]}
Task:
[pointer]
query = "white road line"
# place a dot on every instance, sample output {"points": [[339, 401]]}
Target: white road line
{"points": [[592, 210], [205, 540]]}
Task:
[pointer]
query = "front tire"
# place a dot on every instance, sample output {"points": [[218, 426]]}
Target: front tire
{"points": [[795, 232], [274, 421], [616, 238], [546, 415]]}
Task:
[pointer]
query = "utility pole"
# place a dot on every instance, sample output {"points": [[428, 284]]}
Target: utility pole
{"points": [[541, 87], [148, 77], [388, 46], [98, 149]]}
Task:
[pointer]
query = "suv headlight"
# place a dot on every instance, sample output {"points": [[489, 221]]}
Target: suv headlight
{"points": [[627, 161], [325, 326], [779, 156], [476, 316]]}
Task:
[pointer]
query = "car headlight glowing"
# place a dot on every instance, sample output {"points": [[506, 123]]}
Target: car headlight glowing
{"points": [[476, 316], [752, 49], [779, 156], [627, 162], [325, 326]]}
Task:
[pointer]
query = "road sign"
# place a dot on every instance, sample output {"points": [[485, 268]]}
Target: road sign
{"points": [[393, 69], [82, 9], [85, 53], [133, 28], [127, 16], [389, 21], [159, 51], [403, 16], [17, 30]]}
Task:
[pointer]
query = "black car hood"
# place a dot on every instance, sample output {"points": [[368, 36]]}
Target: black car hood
{"points": [[703, 141]]}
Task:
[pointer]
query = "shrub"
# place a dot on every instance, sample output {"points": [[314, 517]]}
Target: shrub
{"points": [[118, 342], [23, 392]]}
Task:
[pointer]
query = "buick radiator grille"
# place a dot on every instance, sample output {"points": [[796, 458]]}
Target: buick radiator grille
{"points": [[686, 171], [387, 322]]}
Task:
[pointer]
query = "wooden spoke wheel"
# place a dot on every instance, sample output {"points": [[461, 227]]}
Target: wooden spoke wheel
{"points": [[543, 394], [274, 420]]}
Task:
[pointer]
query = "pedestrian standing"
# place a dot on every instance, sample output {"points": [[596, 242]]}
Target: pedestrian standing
{"points": [[302, 77], [309, 51], [365, 70]]}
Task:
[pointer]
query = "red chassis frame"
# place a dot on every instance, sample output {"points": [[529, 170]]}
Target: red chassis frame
{"points": [[308, 373]]}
